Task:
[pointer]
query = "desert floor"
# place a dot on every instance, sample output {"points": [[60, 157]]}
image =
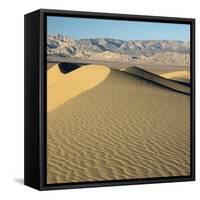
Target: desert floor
{"points": [[107, 124]]}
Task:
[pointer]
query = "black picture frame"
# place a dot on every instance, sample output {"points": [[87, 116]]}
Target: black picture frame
{"points": [[35, 98]]}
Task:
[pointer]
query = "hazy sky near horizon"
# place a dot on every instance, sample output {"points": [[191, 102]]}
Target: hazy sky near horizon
{"points": [[82, 28]]}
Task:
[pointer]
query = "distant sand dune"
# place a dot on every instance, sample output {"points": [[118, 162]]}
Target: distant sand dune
{"points": [[183, 76], [123, 127], [62, 87], [160, 80]]}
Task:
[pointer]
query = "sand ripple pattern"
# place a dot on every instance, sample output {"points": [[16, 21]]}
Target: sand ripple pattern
{"points": [[124, 128]]}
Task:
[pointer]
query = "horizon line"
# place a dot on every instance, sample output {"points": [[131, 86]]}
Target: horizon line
{"points": [[56, 34]]}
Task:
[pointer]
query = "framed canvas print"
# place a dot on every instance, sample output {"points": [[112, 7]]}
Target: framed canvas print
{"points": [[109, 99]]}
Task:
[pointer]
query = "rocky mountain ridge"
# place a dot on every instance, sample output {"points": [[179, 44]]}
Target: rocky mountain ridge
{"points": [[160, 51]]}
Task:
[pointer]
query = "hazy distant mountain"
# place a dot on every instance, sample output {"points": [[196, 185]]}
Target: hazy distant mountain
{"points": [[161, 51]]}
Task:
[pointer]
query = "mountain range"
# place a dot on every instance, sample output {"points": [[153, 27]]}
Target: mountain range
{"points": [[154, 51]]}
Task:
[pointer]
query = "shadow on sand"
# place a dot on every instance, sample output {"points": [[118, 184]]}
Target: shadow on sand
{"points": [[68, 67]]}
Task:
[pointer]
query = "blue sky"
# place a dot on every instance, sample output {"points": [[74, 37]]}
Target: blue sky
{"points": [[81, 28]]}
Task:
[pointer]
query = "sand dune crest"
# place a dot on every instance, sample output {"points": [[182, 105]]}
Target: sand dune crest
{"points": [[162, 81], [62, 87], [183, 76]]}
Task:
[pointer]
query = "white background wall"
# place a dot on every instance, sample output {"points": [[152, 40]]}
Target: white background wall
{"points": [[11, 98]]}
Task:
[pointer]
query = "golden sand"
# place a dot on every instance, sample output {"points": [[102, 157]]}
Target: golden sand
{"points": [[62, 87], [121, 128], [183, 76], [160, 80]]}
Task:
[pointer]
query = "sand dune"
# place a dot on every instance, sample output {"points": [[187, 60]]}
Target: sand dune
{"points": [[183, 76], [162, 81], [62, 87], [121, 128]]}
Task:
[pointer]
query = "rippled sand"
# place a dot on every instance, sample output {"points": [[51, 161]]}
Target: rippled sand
{"points": [[122, 128]]}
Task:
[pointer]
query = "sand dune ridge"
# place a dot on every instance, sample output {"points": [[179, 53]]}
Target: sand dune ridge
{"points": [[162, 81], [183, 76], [62, 87]]}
